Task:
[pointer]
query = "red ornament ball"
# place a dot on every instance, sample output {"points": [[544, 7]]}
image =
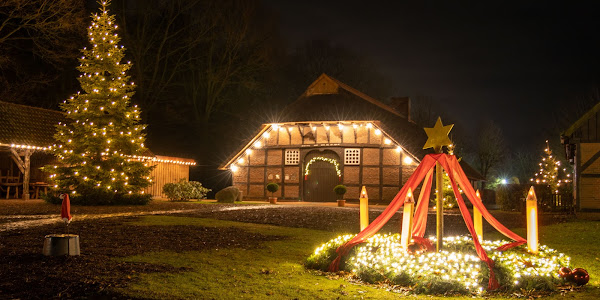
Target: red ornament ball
{"points": [[580, 276], [564, 272], [416, 248]]}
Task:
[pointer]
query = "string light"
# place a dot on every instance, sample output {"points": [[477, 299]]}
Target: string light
{"points": [[325, 159], [383, 254]]}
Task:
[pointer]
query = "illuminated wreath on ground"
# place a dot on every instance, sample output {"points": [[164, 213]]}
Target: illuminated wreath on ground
{"points": [[457, 269], [325, 159]]}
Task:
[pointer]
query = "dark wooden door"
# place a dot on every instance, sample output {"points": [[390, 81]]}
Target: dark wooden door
{"points": [[318, 187]]}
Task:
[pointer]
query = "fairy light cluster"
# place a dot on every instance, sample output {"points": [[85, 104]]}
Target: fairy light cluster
{"points": [[95, 147], [550, 172], [383, 254], [330, 127], [325, 159], [160, 160], [29, 147]]}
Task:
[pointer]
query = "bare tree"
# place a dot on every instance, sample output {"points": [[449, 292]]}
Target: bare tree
{"points": [[491, 148], [160, 44], [230, 63], [36, 37]]}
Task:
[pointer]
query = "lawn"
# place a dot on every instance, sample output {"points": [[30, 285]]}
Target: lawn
{"points": [[275, 270]]}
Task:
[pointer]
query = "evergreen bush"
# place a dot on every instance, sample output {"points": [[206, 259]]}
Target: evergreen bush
{"points": [[185, 190], [99, 197], [340, 190], [272, 187], [229, 194], [509, 196]]}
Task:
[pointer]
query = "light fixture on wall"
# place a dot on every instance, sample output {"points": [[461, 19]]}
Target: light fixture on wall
{"points": [[407, 160]]}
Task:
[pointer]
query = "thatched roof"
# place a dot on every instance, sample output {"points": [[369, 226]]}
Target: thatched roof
{"points": [[27, 125], [329, 99]]}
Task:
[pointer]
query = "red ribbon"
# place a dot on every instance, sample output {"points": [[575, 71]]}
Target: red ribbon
{"points": [[457, 178]]}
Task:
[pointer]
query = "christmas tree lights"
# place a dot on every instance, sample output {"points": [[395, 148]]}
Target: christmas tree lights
{"points": [[103, 133], [550, 172]]}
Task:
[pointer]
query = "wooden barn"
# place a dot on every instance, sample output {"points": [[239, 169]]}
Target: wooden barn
{"points": [[26, 133], [332, 134], [582, 147]]}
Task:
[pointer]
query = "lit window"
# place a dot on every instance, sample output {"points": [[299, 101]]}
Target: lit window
{"points": [[292, 157], [352, 156]]}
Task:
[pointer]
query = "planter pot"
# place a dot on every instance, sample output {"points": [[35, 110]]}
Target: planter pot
{"points": [[273, 200], [61, 244], [341, 203]]}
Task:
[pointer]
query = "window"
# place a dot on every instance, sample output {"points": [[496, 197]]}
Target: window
{"points": [[352, 156], [292, 157]]}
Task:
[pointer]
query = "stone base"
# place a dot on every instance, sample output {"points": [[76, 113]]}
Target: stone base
{"points": [[61, 244]]}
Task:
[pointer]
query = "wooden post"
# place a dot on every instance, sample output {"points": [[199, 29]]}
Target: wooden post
{"points": [[407, 219], [532, 226], [364, 209], [24, 167], [27, 174], [439, 206], [477, 220]]}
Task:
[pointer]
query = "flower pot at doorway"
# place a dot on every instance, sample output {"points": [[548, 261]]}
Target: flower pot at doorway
{"points": [[272, 187], [340, 190]]}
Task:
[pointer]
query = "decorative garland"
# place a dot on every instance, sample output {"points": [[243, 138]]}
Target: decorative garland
{"points": [[325, 159]]}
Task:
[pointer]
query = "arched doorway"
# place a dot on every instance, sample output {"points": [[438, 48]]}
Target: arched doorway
{"points": [[322, 172]]}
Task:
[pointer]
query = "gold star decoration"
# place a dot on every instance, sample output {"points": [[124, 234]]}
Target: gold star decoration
{"points": [[437, 137]]}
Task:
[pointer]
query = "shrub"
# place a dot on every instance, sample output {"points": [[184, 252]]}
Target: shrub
{"points": [[340, 190], [185, 190], [508, 196], [229, 194], [100, 197], [272, 187]]}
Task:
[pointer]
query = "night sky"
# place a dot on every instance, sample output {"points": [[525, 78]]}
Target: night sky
{"points": [[515, 62]]}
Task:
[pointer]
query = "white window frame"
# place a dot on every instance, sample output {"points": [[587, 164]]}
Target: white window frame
{"points": [[352, 156], [292, 157]]}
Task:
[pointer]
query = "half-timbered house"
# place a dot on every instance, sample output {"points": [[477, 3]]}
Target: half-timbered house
{"points": [[582, 148], [332, 134]]}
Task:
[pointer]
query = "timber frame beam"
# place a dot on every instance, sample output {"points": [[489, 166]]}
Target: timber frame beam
{"points": [[24, 167]]}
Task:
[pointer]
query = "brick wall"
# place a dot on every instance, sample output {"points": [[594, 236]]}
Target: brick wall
{"points": [[381, 169]]}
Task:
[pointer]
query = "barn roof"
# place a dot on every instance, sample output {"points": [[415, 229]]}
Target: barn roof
{"points": [[28, 126], [329, 99], [582, 121], [23, 126]]}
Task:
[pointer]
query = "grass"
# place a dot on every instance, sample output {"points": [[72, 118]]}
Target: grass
{"points": [[275, 271]]}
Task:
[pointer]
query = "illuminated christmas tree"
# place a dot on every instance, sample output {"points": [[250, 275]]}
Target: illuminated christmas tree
{"points": [[99, 145], [550, 172]]}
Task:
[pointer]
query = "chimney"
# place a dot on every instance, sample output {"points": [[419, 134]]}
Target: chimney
{"points": [[401, 105]]}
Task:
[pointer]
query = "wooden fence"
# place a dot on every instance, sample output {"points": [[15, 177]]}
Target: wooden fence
{"points": [[167, 170]]}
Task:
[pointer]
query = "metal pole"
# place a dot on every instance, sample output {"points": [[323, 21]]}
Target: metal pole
{"points": [[439, 205]]}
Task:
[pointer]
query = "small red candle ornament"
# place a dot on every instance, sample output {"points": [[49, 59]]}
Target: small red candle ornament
{"points": [[580, 276], [577, 276]]}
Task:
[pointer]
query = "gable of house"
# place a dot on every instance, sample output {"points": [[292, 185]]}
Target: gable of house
{"points": [[582, 148]]}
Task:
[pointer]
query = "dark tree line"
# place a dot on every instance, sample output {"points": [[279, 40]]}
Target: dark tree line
{"points": [[206, 71]]}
